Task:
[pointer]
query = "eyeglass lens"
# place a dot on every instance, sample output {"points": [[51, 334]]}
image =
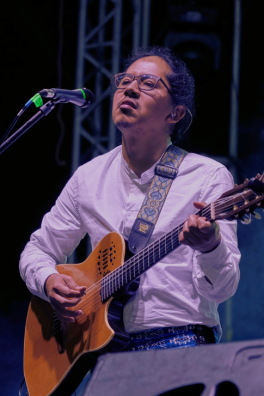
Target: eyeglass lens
{"points": [[145, 81]]}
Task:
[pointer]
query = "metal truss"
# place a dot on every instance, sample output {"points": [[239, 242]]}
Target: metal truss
{"points": [[104, 30], [99, 56]]}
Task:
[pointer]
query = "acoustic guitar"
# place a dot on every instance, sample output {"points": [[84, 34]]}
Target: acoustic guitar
{"points": [[56, 355]]}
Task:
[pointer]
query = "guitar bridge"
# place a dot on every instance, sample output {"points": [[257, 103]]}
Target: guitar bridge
{"points": [[58, 331]]}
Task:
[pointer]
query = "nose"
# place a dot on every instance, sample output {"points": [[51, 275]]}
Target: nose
{"points": [[132, 90]]}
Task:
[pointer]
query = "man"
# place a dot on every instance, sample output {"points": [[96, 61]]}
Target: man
{"points": [[176, 302]]}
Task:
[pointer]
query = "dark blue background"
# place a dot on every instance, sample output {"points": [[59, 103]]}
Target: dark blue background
{"points": [[31, 177]]}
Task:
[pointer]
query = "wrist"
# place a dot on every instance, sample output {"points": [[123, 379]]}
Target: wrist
{"points": [[47, 281], [214, 247]]}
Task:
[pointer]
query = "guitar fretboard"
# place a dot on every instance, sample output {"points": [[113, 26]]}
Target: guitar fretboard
{"points": [[144, 260]]}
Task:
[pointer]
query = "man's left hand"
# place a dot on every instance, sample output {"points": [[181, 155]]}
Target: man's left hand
{"points": [[200, 234]]}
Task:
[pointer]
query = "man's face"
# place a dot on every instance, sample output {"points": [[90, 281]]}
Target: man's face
{"points": [[144, 112]]}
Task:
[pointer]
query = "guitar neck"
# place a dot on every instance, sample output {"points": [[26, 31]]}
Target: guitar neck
{"points": [[145, 259]]}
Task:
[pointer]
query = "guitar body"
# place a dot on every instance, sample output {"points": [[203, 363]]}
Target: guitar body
{"points": [[56, 359]]}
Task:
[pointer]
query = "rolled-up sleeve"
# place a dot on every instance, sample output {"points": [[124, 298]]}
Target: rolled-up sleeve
{"points": [[60, 233], [216, 274]]}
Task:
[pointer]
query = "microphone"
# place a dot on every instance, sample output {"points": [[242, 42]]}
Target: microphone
{"points": [[80, 97]]}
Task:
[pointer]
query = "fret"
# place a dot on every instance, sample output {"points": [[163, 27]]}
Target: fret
{"points": [[106, 287], [112, 287], [110, 283], [139, 266], [102, 291], [172, 240], [117, 279], [165, 245], [113, 278], [134, 267], [148, 258], [177, 235], [108, 291], [159, 248], [122, 274]]}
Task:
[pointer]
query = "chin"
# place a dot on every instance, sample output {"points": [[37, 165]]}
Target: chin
{"points": [[123, 125]]}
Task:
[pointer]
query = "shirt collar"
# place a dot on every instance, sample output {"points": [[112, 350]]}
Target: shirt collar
{"points": [[146, 176]]}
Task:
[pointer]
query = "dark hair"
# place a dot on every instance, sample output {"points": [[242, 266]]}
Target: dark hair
{"points": [[181, 82]]}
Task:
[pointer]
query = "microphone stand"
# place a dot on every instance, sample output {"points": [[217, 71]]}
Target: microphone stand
{"points": [[44, 110]]}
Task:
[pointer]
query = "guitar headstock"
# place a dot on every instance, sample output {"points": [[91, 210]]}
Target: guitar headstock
{"points": [[241, 201]]}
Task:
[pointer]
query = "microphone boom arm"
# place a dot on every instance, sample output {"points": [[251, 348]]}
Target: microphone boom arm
{"points": [[43, 111]]}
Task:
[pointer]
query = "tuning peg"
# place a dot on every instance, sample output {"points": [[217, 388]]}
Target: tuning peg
{"points": [[257, 215], [246, 180]]}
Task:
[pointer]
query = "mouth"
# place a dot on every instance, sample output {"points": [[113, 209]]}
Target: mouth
{"points": [[128, 103]]}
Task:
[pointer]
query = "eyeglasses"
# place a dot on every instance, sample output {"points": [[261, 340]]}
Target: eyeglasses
{"points": [[146, 82]]}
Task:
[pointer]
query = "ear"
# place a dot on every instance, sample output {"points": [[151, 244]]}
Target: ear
{"points": [[177, 114]]}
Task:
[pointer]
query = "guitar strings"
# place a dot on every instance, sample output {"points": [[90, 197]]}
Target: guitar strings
{"points": [[112, 280], [114, 284], [134, 258], [112, 274], [206, 210], [115, 279], [115, 275]]}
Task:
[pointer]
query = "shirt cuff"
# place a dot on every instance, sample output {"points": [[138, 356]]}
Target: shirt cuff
{"points": [[213, 262], [43, 274]]}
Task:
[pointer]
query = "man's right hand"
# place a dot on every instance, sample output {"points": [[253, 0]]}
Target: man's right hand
{"points": [[63, 292]]}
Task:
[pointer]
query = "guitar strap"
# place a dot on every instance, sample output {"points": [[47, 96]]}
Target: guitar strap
{"points": [[165, 172]]}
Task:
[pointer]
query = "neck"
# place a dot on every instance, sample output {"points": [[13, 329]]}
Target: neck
{"points": [[140, 156]]}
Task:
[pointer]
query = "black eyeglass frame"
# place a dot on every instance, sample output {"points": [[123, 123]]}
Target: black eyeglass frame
{"points": [[136, 78]]}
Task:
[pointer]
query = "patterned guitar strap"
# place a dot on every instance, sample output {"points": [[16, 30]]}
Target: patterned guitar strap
{"points": [[165, 172]]}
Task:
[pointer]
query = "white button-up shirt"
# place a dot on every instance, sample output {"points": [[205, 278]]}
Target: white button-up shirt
{"points": [[105, 195]]}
